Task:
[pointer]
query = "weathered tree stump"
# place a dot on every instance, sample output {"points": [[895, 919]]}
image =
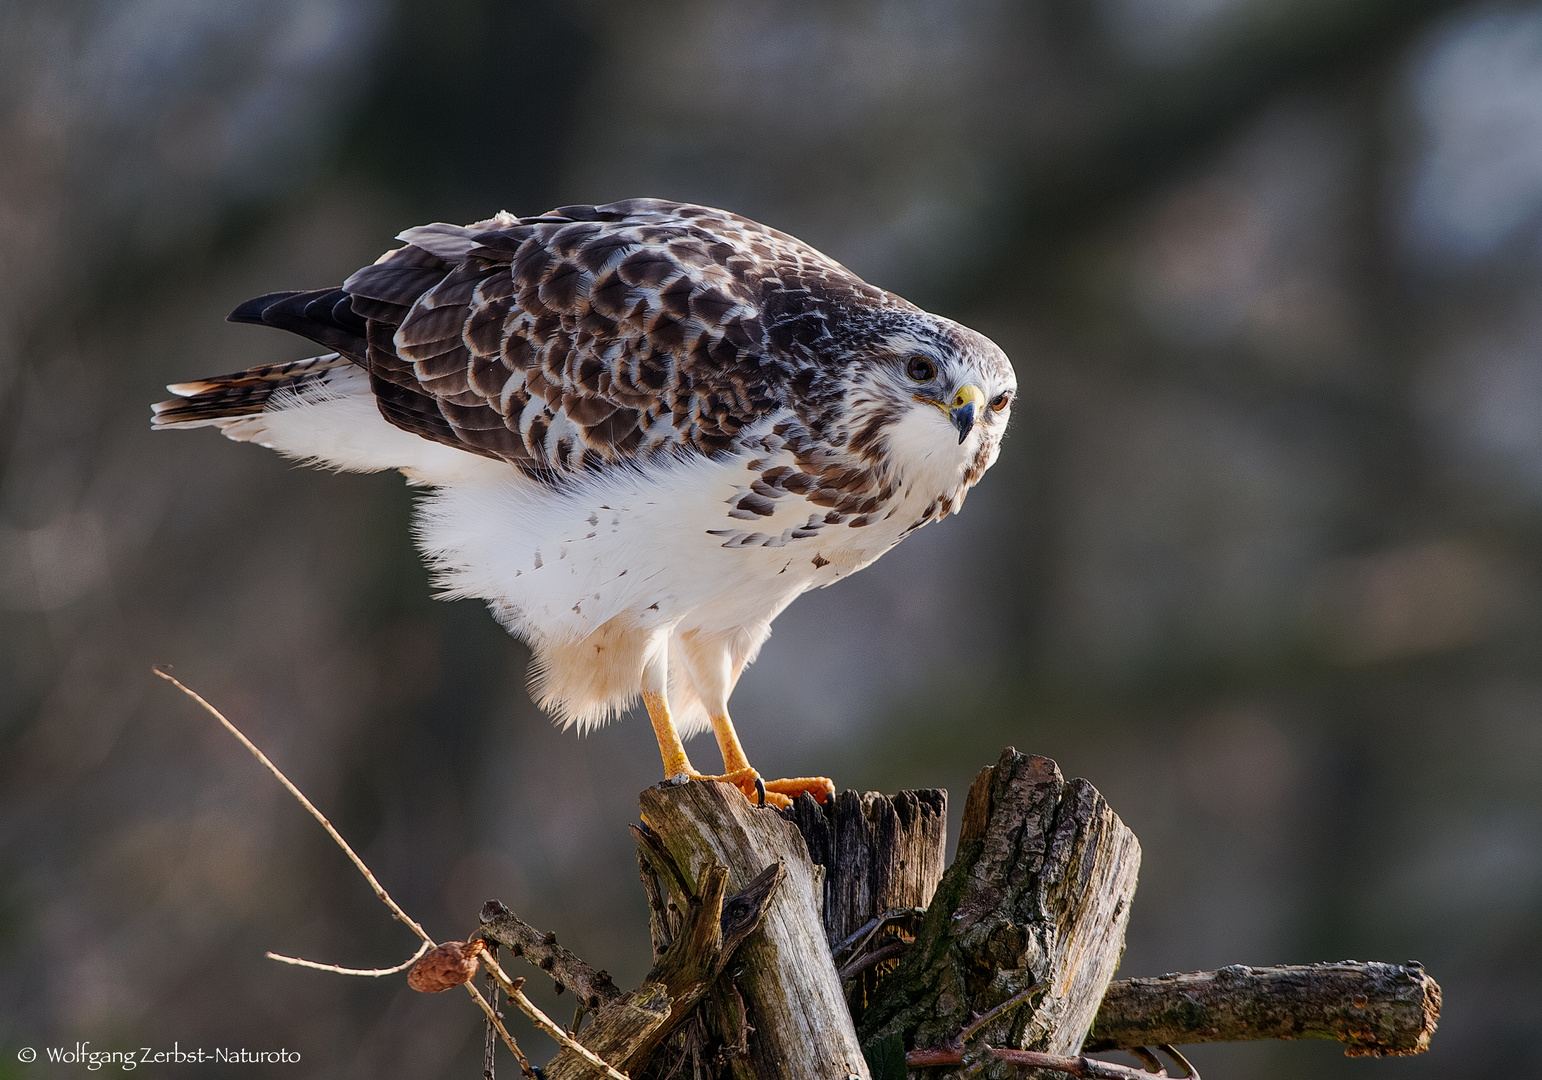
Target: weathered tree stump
{"points": [[1029, 919], [783, 974], [1011, 959]]}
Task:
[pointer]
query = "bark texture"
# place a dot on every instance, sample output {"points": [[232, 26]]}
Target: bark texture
{"points": [[1029, 919], [793, 1024], [1374, 1009], [880, 853]]}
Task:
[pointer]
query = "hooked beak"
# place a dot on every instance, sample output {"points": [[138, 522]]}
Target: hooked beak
{"points": [[965, 407]]}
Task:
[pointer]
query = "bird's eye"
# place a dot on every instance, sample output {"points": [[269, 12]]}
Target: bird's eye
{"points": [[1001, 401], [921, 369]]}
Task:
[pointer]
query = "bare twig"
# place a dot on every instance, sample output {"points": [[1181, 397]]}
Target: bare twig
{"points": [[373, 973], [540, 1019], [926, 1057], [863, 933], [490, 1041], [873, 959], [1084, 1068], [385, 897], [508, 1040], [1010, 1003], [951, 1052], [1087, 1068]]}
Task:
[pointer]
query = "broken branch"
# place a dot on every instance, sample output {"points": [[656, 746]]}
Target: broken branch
{"points": [[592, 988], [1374, 1009]]}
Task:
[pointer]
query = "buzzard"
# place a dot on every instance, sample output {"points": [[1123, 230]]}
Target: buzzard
{"points": [[644, 429]]}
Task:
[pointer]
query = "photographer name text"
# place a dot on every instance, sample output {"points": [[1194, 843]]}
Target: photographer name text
{"points": [[128, 1060]]}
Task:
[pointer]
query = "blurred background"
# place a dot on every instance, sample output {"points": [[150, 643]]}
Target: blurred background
{"points": [[1260, 558]]}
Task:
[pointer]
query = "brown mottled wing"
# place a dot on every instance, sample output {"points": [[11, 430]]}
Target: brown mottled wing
{"points": [[594, 335]]}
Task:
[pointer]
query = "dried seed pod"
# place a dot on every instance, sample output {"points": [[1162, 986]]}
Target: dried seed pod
{"points": [[444, 966]]}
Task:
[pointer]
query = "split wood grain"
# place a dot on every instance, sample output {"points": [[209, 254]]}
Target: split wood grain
{"points": [[783, 974]]}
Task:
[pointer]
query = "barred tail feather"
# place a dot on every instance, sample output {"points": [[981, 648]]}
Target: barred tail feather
{"points": [[222, 399], [320, 411]]}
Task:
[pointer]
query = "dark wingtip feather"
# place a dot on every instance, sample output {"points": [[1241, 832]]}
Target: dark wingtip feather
{"points": [[251, 311], [323, 315]]}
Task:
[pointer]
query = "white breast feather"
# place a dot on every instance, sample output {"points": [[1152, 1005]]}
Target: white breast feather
{"points": [[599, 571]]}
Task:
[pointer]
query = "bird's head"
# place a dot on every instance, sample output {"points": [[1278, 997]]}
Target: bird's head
{"points": [[932, 398]]}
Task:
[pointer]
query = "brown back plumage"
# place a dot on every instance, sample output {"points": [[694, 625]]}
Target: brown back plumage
{"points": [[585, 336]]}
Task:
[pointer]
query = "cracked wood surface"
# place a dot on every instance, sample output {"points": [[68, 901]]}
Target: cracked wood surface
{"points": [[879, 852], [628, 1027], [1034, 906], [882, 855]]}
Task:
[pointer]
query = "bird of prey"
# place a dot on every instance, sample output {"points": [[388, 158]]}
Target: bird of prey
{"points": [[645, 428]]}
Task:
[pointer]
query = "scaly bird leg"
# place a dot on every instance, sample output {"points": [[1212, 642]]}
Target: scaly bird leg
{"points": [[778, 792], [672, 750], [670, 746]]}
